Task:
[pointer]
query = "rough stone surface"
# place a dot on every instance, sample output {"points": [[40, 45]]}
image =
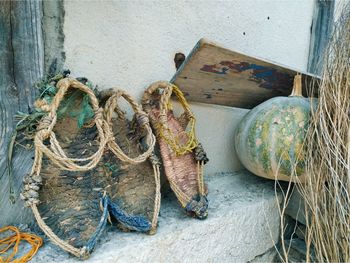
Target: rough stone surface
{"points": [[296, 207], [297, 250], [270, 255], [243, 223]]}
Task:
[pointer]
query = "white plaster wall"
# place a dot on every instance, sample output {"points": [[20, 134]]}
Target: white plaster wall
{"points": [[130, 44]]}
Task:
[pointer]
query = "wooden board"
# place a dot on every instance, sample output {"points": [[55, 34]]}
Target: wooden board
{"points": [[21, 65], [216, 75]]}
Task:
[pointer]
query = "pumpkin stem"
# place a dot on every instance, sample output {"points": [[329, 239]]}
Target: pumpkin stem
{"points": [[297, 87]]}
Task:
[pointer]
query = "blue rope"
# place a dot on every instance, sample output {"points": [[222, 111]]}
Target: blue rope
{"points": [[101, 225], [137, 223]]}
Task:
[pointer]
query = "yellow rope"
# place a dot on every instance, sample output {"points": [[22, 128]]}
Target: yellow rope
{"points": [[13, 241], [164, 131], [161, 92]]}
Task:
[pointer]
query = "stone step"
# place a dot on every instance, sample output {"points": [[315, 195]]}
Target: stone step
{"points": [[242, 226]]}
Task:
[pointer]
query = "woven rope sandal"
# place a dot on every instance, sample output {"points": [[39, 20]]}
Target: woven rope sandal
{"points": [[134, 188], [63, 191], [182, 156]]}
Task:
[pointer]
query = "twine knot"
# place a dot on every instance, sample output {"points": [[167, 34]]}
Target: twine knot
{"points": [[142, 119], [200, 154], [30, 190], [154, 159], [84, 253], [45, 123], [199, 206], [163, 118], [108, 133], [98, 114], [43, 105]]}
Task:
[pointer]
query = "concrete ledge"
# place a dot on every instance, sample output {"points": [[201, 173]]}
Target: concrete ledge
{"points": [[243, 222]]}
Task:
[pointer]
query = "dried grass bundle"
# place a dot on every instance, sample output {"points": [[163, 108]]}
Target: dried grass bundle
{"points": [[327, 189]]}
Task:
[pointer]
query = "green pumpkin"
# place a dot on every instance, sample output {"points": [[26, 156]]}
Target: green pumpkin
{"points": [[269, 140]]}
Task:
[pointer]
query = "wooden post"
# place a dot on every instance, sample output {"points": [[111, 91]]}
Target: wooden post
{"points": [[321, 29], [21, 65]]}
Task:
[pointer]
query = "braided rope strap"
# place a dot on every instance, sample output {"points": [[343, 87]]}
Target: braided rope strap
{"points": [[142, 119], [196, 204], [164, 131], [45, 131], [59, 158], [111, 106]]}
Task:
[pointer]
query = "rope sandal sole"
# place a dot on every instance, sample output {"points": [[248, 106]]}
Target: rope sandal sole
{"points": [[182, 156], [62, 191], [134, 187]]}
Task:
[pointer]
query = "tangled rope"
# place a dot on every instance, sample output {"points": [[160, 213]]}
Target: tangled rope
{"points": [[13, 241]]}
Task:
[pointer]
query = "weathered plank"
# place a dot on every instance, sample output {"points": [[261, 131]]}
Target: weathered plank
{"points": [[216, 75], [21, 65]]}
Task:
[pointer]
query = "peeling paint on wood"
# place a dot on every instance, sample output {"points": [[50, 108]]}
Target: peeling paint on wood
{"points": [[213, 74], [265, 77]]}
